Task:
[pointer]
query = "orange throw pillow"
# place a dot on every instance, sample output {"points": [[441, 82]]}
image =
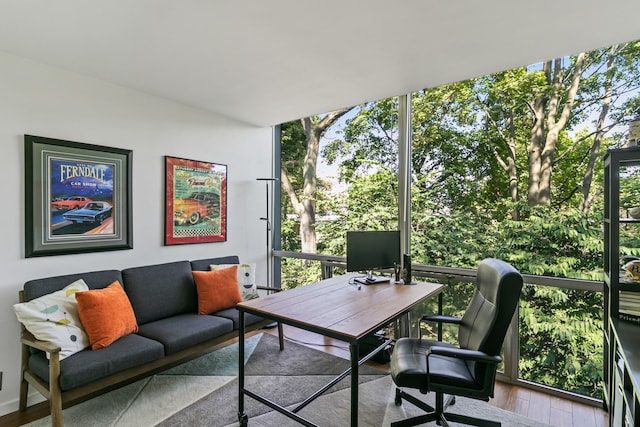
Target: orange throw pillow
{"points": [[217, 289], [106, 314]]}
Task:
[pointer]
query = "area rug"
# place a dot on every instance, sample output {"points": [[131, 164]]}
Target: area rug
{"points": [[204, 392]]}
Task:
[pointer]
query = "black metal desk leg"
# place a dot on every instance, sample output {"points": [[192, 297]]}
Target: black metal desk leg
{"points": [[242, 417], [354, 383]]}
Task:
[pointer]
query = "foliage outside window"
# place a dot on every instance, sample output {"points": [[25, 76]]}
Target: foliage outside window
{"points": [[506, 165]]}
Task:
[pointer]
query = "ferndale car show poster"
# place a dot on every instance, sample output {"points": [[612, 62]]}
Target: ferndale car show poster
{"points": [[77, 197], [81, 195], [196, 197]]}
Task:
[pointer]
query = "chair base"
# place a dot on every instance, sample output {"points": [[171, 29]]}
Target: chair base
{"points": [[437, 414]]}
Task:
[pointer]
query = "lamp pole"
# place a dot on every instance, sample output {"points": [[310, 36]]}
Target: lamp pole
{"points": [[268, 221]]}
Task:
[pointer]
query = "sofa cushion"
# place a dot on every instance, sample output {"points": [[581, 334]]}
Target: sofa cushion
{"points": [[54, 318], [94, 280], [160, 291], [185, 330], [217, 290], [106, 314], [205, 264], [246, 279], [90, 365]]}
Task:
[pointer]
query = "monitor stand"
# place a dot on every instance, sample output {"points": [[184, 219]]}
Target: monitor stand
{"points": [[370, 279]]}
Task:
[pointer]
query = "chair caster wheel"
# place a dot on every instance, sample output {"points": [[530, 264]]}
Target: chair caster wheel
{"points": [[398, 399]]}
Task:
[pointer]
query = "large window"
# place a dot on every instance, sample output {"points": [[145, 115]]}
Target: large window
{"points": [[506, 165]]}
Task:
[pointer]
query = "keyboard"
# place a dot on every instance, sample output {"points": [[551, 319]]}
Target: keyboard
{"points": [[371, 280]]}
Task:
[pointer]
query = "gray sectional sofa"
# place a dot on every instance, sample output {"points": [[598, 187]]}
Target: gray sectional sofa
{"points": [[170, 332]]}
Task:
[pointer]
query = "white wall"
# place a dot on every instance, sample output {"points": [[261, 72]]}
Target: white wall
{"points": [[44, 101]]}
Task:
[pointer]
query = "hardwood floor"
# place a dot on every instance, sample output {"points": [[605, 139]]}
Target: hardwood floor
{"points": [[548, 409], [529, 403], [532, 404]]}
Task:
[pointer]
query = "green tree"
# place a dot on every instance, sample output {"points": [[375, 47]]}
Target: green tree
{"points": [[508, 166], [301, 140], [509, 137], [534, 112]]}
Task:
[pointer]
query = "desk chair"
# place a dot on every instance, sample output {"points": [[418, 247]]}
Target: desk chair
{"points": [[468, 369]]}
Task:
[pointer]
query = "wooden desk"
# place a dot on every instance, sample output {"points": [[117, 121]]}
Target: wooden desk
{"points": [[334, 308]]}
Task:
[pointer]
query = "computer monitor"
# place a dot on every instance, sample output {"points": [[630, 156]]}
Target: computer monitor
{"points": [[372, 250]]}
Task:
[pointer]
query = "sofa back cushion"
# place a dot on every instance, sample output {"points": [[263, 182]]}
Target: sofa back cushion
{"points": [[54, 318], [204, 264], [106, 315], [160, 291], [217, 289], [94, 280]]}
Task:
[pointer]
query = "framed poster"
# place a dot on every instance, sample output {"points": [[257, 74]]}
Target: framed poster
{"points": [[77, 197], [196, 201]]}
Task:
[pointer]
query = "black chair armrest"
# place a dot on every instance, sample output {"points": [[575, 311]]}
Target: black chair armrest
{"points": [[441, 319], [463, 353]]}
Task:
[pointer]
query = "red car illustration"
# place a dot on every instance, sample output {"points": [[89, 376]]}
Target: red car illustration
{"points": [[193, 209], [69, 203]]}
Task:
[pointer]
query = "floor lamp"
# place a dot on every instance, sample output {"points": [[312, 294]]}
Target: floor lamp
{"points": [[268, 221]]}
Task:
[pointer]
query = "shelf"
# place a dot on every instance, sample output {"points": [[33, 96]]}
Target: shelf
{"points": [[629, 286], [627, 334], [621, 343]]}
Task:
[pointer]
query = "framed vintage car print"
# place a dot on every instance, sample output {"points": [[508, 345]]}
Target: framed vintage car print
{"points": [[196, 201], [77, 197]]}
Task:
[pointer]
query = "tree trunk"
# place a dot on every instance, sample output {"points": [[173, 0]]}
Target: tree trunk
{"points": [[512, 169], [304, 205], [594, 151], [307, 214], [509, 165], [536, 145], [559, 102]]}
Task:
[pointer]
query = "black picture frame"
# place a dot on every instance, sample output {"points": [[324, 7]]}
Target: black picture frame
{"points": [[78, 197]]}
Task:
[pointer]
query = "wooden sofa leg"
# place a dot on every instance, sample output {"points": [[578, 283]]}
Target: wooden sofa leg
{"points": [[24, 391], [280, 336], [56, 410], [24, 385], [55, 395]]}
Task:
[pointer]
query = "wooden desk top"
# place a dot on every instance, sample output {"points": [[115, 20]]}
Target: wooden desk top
{"points": [[335, 308]]}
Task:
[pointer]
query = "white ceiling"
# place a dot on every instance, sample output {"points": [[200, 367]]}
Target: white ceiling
{"points": [[265, 62]]}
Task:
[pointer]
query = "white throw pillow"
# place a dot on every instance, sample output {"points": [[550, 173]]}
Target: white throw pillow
{"points": [[54, 318], [246, 279]]}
